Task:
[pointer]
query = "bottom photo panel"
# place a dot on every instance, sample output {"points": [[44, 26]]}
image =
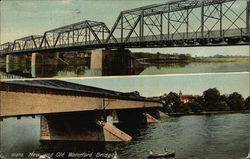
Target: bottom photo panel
{"points": [[182, 116]]}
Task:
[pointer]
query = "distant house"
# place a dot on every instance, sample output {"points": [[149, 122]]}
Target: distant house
{"points": [[187, 98], [183, 98]]}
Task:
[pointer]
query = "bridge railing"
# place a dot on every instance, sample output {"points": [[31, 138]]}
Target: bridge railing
{"points": [[237, 33], [189, 36]]}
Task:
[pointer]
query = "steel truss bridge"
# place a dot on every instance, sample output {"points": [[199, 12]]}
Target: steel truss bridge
{"points": [[179, 23]]}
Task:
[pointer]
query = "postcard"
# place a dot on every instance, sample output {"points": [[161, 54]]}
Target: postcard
{"points": [[123, 79]]}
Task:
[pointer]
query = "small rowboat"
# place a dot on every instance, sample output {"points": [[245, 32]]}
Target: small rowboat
{"points": [[161, 155]]}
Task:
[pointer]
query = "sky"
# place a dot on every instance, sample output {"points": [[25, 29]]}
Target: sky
{"points": [[20, 18], [157, 85]]}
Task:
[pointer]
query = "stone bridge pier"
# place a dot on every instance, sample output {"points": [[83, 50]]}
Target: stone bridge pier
{"points": [[93, 125], [36, 61], [113, 62], [42, 64], [15, 62]]}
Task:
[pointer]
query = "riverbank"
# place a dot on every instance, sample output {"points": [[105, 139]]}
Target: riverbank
{"points": [[210, 113], [193, 60]]}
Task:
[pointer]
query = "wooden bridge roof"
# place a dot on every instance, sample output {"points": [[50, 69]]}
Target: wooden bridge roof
{"points": [[69, 86]]}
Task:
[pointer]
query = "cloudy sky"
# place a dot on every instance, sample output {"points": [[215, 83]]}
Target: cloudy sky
{"points": [[20, 18]]}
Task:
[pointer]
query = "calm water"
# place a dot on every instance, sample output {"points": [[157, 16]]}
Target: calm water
{"points": [[26, 71], [192, 137]]}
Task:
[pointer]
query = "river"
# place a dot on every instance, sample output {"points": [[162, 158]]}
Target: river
{"points": [[58, 71], [191, 137]]}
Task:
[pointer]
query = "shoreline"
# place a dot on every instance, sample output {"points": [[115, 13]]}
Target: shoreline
{"points": [[206, 60], [209, 113]]}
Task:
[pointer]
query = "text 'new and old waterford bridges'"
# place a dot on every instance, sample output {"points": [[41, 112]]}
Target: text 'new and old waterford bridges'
{"points": [[172, 24]]}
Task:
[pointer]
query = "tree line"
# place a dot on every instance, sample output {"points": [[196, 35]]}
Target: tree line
{"points": [[210, 100]]}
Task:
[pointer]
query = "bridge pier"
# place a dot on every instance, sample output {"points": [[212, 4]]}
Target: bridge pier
{"points": [[13, 62], [80, 127], [92, 126], [134, 116], [113, 62], [40, 61]]}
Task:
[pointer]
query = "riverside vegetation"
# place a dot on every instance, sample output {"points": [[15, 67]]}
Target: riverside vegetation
{"points": [[187, 58], [210, 101]]}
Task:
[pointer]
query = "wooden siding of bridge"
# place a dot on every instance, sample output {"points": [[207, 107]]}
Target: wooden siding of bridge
{"points": [[23, 103]]}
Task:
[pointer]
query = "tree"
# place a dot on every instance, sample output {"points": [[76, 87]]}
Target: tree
{"points": [[196, 105], [172, 103], [211, 99], [235, 101], [169, 100], [247, 103], [222, 106], [179, 107]]}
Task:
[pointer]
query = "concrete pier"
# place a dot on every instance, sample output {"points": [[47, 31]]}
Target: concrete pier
{"points": [[113, 62], [40, 61], [9, 60], [14, 62], [133, 116], [91, 126], [77, 127]]}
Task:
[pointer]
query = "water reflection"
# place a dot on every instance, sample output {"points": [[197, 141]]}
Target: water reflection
{"points": [[82, 69]]}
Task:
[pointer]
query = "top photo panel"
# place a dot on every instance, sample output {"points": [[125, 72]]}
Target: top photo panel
{"points": [[83, 38]]}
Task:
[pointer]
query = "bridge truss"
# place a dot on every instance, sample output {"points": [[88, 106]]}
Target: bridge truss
{"points": [[184, 21], [172, 24]]}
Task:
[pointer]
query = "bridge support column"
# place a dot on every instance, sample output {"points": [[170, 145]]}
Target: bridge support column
{"points": [[113, 62], [36, 64], [13, 62], [40, 61], [79, 128], [36, 59], [134, 116]]}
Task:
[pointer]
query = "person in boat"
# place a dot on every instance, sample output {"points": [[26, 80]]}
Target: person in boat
{"points": [[115, 156], [1, 156], [150, 152], [165, 149]]}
